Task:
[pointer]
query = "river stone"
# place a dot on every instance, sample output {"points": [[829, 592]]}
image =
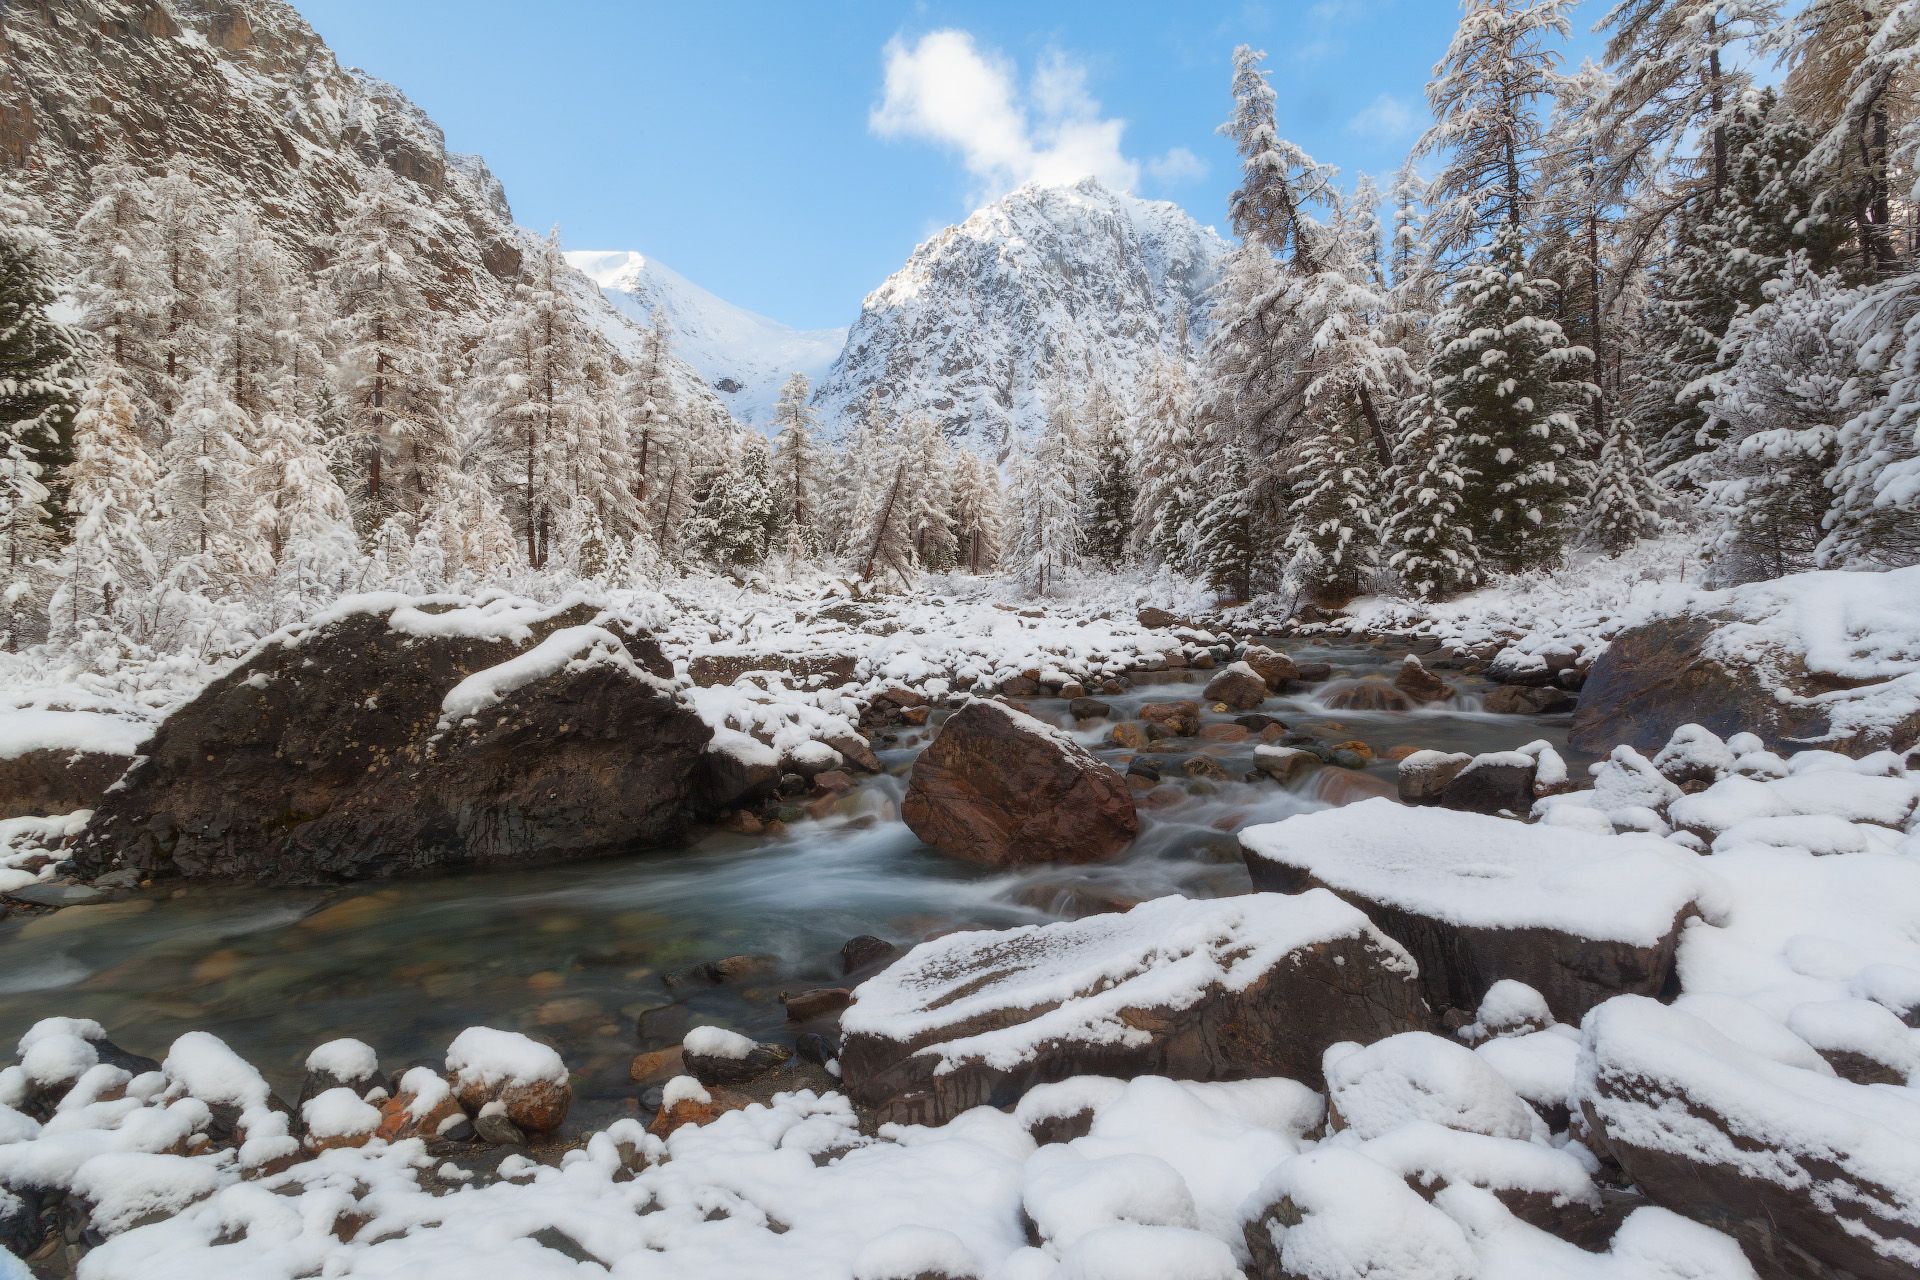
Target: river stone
{"points": [[1420, 684], [710, 669], [1423, 776], [1228, 989], [1813, 1175], [1238, 687], [865, 952], [323, 756], [1493, 782], [1654, 678], [1179, 719], [1367, 695], [1527, 700], [1000, 788], [1579, 917], [1276, 668]]}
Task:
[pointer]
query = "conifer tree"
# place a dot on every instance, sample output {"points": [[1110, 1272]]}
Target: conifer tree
{"points": [[1226, 546], [39, 379], [1333, 540], [1112, 491], [977, 515], [302, 516], [206, 490], [182, 235], [929, 462], [735, 520], [1427, 539], [1046, 506], [391, 398], [1505, 375], [1169, 493], [111, 486], [796, 470], [122, 286], [1627, 501]]}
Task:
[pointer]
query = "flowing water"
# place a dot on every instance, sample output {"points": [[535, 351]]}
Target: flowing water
{"points": [[579, 954]]}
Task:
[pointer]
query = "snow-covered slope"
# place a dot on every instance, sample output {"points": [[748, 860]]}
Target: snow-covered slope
{"points": [[743, 355], [972, 329]]}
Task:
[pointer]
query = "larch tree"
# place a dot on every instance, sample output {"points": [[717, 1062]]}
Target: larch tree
{"points": [[1046, 503], [796, 469], [39, 373], [182, 236], [206, 484], [391, 399], [978, 517], [1112, 488], [303, 518], [111, 486], [122, 287], [929, 461], [1169, 493]]}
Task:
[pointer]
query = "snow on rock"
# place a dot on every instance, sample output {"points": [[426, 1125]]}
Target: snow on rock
{"points": [[568, 649], [1334, 1214], [1864, 1041], [1232, 988], [717, 1042], [1130, 1251], [526, 1078], [124, 1188], [1579, 917], [1508, 1009], [1546, 1185], [345, 1059], [25, 729], [1416, 1076], [1790, 1161], [1066, 1195], [338, 1118], [916, 1253]]}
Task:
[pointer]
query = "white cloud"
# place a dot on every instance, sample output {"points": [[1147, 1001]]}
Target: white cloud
{"points": [[1385, 119], [944, 88], [1177, 166]]}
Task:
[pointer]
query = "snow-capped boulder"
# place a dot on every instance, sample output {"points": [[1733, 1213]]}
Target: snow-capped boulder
{"points": [[1814, 1175], [513, 1073], [1237, 687], [1420, 684], [717, 1056], [395, 735], [1493, 782], [1423, 776], [1231, 989], [1419, 1076], [1578, 917], [1276, 668], [997, 786]]}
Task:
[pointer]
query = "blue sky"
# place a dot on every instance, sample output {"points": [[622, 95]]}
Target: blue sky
{"points": [[789, 156]]}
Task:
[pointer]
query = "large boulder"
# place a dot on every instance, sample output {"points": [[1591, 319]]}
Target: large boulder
{"points": [[1229, 989], [1576, 916], [396, 737], [805, 669], [54, 762], [1237, 687], [1814, 1175], [998, 787], [1654, 678]]}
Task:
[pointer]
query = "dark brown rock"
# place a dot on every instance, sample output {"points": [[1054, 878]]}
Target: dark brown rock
{"points": [[818, 1002], [1496, 782], [325, 758], [1157, 619], [1000, 788], [1424, 775], [1654, 678], [1238, 688], [1171, 719], [1367, 695], [1276, 668], [53, 781], [1308, 972], [1420, 684], [865, 952], [1528, 700], [709, 669]]}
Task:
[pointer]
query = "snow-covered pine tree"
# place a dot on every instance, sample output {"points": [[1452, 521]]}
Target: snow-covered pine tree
{"points": [[1425, 534], [1505, 375], [205, 485], [182, 236], [464, 524], [122, 286], [1627, 501], [39, 376], [977, 515], [735, 521], [929, 473], [1333, 539], [1046, 504], [111, 484], [1226, 547], [885, 544], [252, 295], [796, 470], [1112, 490], [531, 369], [302, 516], [391, 398], [1169, 493]]}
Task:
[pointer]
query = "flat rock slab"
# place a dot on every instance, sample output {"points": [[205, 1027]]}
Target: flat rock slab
{"points": [[998, 787], [1230, 989], [1576, 916], [1814, 1175]]}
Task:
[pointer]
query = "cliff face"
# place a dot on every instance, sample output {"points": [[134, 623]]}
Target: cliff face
{"points": [[255, 101]]}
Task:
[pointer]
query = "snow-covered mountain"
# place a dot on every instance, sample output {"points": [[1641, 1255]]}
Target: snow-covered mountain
{"points": [[247, 95], [743, 355], [972, 329]]}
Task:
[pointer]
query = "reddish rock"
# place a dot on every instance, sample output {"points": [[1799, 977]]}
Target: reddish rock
{"points": [[696, 1111], [1527, 700], [1367, 695], [1001, 788], [1420, 684], [1171, 719], [1276, 668], [1131, 734], [1224, 732], [1238, 688], [805, 1006], [1157, 619]]}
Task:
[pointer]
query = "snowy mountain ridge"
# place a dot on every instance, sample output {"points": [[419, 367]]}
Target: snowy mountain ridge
{"points": [[1078, 282], [744, 356]]}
